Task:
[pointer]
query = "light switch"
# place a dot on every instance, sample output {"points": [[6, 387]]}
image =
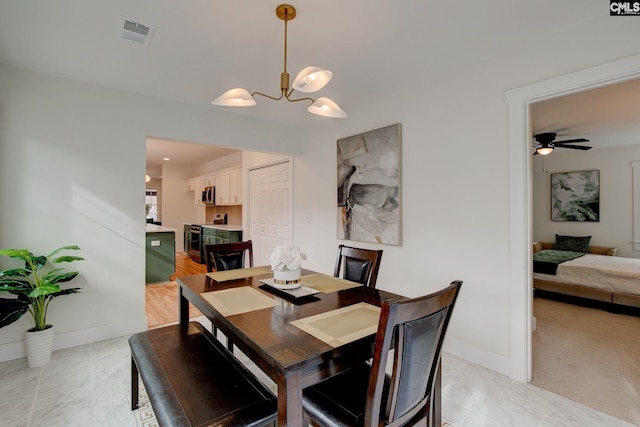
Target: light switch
{"points": [[155, 243]]}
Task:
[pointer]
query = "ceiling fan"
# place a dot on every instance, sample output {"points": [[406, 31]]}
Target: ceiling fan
{"points": [[545, 143]]}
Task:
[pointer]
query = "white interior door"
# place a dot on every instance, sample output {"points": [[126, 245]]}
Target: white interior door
{"points": [[270, 213]]}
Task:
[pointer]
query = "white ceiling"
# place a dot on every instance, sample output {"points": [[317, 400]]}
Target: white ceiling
{"points": [[201, 48]]}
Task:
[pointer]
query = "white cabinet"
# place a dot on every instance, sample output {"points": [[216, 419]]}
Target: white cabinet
{"points": [[222, 188], [190, 184], [197, 193], [210, 180], [235, 186]]}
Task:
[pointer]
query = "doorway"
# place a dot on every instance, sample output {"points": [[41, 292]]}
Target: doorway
{"points": [[270, 209], [520, 210]]}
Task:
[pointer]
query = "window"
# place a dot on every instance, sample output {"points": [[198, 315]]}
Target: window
{"points": [[151, 200]]}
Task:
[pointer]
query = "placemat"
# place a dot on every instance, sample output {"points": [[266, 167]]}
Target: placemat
{"points": [[327, 284], [343, 325], [239, 300], [240, 273]]}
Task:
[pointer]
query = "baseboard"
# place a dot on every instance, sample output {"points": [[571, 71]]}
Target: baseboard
{"points": [[486, 359], [16, 350]]}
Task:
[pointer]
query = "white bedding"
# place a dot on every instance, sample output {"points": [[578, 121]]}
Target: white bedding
{"points": [[610, 273]]}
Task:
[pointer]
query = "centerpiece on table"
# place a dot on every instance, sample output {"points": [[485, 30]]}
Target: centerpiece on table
{"points": [[285, 263]]}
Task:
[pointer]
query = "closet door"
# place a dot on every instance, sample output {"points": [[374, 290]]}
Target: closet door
{"points": [[270, 211]]}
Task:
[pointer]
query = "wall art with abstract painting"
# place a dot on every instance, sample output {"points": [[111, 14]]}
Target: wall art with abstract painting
{"points": [[575, 196], [369, 186]]}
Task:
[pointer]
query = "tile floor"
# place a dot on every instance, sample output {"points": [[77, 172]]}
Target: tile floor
{"points": [[89, 386]]}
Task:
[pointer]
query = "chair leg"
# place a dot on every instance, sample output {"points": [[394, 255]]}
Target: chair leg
{"points": [[134, 385]]}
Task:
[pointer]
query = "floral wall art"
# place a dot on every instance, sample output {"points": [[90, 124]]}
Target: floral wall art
{"points": [[369, 186], [575, 196]]}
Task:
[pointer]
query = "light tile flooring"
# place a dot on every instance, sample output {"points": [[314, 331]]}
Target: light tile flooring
{"points": [[89, 386]]}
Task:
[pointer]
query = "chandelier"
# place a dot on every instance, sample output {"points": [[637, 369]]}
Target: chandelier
{"points": [[309, 80]]}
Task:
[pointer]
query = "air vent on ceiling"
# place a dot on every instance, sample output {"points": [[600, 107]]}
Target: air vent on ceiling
{"points": [[133, 31]]}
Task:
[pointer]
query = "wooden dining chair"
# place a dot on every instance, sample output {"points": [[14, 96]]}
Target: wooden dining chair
{"points": [[365, 395], [358, 265], [227, 256]]}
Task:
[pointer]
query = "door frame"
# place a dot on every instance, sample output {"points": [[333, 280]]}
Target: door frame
{"points": [[519, 102]]}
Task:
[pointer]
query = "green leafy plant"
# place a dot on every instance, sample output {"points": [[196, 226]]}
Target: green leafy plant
{"points": [[35, 285]]}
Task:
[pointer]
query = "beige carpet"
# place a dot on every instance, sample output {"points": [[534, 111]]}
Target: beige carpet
{"points": [[588, 355]]}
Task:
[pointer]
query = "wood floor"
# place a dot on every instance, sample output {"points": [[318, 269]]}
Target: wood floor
{"points": [[162, 298]]}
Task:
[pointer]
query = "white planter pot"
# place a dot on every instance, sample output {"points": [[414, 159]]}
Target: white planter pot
{"points": [[39, 345]]}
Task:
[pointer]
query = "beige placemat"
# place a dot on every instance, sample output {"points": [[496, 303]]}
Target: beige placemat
{"points": [[327, 284], [239, 300], [240, 273], [343, 325]]}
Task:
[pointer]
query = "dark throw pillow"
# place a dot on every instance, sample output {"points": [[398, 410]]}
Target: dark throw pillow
{"points": [[572, 243]]}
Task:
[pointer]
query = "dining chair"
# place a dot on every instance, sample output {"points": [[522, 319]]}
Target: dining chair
{"points": [[358, 265], [227, 256], [365, 395]]}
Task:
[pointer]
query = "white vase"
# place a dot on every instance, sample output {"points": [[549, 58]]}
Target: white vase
{"points": [[286, 277], [39, 345]]}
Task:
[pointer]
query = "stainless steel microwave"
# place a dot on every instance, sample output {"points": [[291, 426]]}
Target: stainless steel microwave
{"points": [[209, 195]]}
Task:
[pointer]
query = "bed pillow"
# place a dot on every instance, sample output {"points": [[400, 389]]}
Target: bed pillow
{"points": [[572, 243]]}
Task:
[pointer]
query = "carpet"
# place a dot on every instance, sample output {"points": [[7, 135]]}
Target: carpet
{"points": [[144, 416]]}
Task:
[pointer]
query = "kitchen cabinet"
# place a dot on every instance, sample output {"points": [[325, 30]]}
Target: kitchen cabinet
{"points": [[190, 184], [235, 187], [210, 180], [159, 254], [197, 194], [187, 237], [222, 188]]}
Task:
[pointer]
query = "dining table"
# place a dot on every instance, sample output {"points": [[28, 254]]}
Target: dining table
{"points": [[297, 337]]}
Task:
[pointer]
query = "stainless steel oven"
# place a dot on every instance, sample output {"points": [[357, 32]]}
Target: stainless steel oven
{"points": [[195, 250]]}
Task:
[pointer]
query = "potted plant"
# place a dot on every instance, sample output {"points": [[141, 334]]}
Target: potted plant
{"points": [[35, 285]]}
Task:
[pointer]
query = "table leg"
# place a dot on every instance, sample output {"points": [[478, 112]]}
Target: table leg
{"points": [[183, 308], [290, 401]]}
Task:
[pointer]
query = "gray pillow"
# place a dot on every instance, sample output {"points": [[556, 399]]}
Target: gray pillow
{"points": [[572, 243]]}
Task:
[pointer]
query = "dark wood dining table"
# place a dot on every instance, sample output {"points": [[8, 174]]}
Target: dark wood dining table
{"points": [[291, 357]]}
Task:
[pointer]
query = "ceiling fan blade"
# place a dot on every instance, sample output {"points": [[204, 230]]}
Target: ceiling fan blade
{"points": [[569, 141], [575, 147]]}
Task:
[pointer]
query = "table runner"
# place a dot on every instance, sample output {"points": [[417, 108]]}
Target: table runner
{"points": [[238, 300], [240, 273], [343, 325], [327, 284]]}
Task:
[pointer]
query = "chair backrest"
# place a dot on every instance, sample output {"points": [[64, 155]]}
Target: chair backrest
{"points": [[415, 328], [228, 256], [359, 265]]}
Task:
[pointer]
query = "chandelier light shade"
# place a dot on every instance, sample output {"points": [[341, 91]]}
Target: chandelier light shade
{"points": [[309, 80], [237, 97], [312, 79]]}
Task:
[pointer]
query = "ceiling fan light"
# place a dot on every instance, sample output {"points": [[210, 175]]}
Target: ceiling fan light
{"points": [[326, 108], [311, 79], [147, 178], [237, 97], [544, 150]]}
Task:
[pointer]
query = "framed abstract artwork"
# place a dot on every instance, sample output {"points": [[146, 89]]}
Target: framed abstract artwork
{"points": [[575, 196], [369, 186]]}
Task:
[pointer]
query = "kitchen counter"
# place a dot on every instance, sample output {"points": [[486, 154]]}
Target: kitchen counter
{"points": [[152, 228], [227, 227]]}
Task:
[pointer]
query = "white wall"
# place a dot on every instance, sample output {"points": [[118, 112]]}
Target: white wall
{"points": [[72, 166], [615, 227], [455, 178], [178, 205]]}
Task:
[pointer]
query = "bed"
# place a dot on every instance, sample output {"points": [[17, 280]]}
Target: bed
{"points": [[596, 275]]}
